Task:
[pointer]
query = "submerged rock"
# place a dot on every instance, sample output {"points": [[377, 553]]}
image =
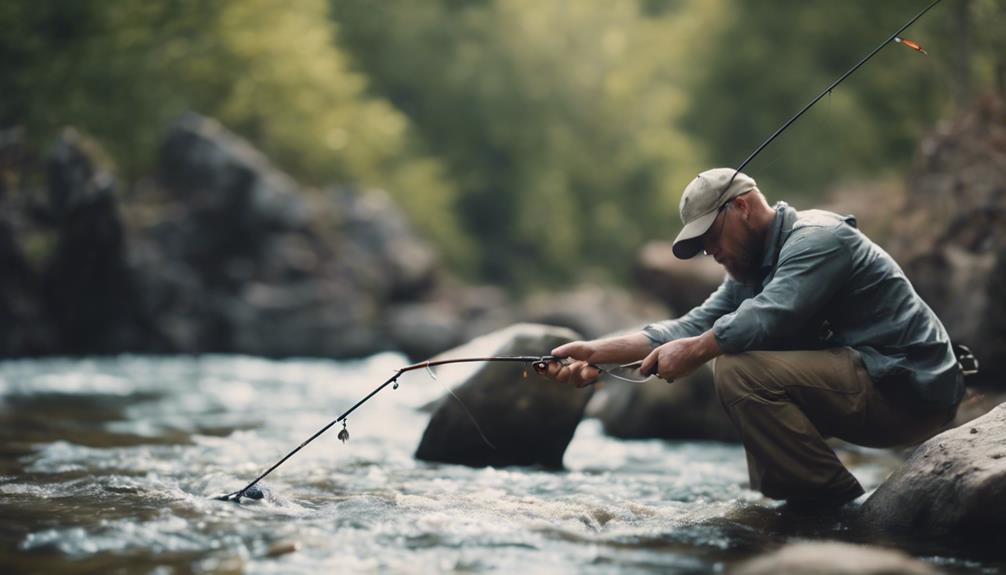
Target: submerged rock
{"points": [[529, 420], [953, 485], [833, 558]]}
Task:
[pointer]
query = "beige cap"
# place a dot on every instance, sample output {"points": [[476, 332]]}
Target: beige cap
{"points": [[701, 202]]}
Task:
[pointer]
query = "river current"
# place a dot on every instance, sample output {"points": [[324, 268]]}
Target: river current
{"points": [[112, 465]]}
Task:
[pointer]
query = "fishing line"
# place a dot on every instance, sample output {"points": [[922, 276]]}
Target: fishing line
{"points": [[896, 37], [538, 363]]}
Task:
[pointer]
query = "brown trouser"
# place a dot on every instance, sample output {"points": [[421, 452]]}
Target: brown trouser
{"points": [[785, 403]]}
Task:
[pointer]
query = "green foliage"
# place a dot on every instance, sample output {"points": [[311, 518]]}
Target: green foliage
{"points": [[777, 55], [557, 119], [536, 141], [121, 70]]}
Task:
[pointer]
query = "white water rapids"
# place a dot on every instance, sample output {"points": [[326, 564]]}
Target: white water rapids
{"points": [[112, 464]]}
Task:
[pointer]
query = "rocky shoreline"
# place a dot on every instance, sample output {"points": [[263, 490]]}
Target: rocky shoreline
{"points": [[224, 253]]}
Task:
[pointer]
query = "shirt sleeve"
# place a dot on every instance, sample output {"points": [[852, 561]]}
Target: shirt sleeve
{"points": [[697, 321], [813, 265]]}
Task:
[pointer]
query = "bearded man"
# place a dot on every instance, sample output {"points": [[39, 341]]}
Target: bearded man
{"points": [[815, 333]]}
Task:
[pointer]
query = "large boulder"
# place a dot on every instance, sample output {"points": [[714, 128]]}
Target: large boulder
{"points": [[684, 409], [232, 198], [527, 419], [833, 558], [88, 288], [953, 485], [680, 284], [242, 259]]}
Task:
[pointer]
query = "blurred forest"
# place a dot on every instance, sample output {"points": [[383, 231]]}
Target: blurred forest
{"points": [[534, 142]]}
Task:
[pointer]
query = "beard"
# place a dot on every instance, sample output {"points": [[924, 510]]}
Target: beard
{"points": [[746, 267]]}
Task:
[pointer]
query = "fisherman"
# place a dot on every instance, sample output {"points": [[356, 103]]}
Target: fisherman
{"points": [[815, 332]]}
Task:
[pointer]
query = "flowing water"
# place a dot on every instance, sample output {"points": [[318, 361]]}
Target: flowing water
{"points": [[112, 465]]}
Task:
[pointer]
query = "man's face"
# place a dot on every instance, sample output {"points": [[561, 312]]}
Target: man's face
{"points": [[734, 244]]}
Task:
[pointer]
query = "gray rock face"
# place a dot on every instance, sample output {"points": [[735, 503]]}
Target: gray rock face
{"points": [[249, 262], [529, 421], [833, 558], [953, 485], [88, 289], [685, 409]]}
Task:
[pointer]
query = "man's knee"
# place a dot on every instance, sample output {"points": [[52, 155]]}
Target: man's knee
{"points": [[740, 375]]}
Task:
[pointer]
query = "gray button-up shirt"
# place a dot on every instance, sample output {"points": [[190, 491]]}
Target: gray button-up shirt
{"points": [[827, 285]]}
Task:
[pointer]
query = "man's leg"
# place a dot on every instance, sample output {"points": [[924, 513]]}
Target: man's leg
{"points": [[785, 403]]}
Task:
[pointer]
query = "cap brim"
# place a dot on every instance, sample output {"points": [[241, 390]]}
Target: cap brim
{"points": [[688, 244]]}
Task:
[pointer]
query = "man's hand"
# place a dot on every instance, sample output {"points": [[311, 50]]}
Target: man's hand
{"points": [[577, 372], [679, 357], [578, 369]]}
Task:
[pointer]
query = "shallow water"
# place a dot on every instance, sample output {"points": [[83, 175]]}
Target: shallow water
{"points": [[112, 464]]}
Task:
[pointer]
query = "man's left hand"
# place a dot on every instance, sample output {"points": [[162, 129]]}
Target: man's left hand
{"points": [[677, 358]]}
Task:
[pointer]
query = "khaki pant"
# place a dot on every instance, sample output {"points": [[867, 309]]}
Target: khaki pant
{"points": [[785, 403]]}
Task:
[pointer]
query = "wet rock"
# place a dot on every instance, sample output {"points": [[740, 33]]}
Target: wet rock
{"points": [[833, 558], [592, 310], [679, 284], [529, 421], [953, 485], [685, 409]]}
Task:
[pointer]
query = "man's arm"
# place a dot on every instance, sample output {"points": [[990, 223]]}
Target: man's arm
{"points": [[679, 357], [700, 319]]}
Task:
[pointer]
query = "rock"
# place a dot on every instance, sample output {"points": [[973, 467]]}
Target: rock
{"points": [[242, 265], [530, 421], [592, 310], [685, 409], [679, 284], [233, 198], [378, 237], [833, 558], [311, 318], [976, 403], [24, 327], [951, 237], [953, 485], [88, 288], [422, 330]]}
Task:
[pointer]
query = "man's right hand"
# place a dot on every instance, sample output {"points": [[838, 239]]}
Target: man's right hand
{"points": [[577, 369]]}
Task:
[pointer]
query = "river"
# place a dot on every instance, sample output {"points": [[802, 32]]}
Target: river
{"points": [[112, 465]]}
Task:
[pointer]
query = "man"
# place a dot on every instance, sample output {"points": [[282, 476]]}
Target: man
{"points": [[816, 332]]}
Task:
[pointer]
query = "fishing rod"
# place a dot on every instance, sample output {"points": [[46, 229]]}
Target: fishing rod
{"points": [[896, 37], [538, 362]]}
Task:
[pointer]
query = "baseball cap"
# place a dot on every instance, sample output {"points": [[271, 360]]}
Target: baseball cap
{"points": [[701, 201]]}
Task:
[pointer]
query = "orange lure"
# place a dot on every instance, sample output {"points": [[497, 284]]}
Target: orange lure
{"points": [[911, 44]]}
